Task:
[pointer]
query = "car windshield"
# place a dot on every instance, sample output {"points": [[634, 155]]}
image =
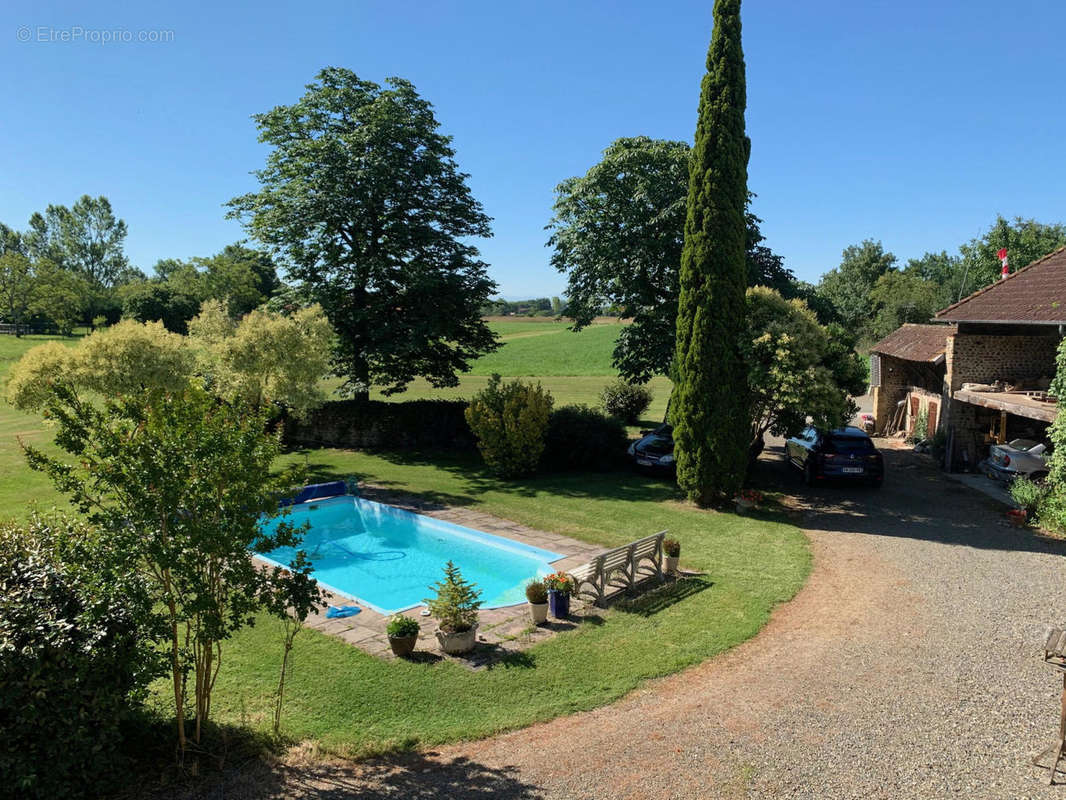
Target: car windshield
{"points": [[846, 445], [1023, 444]]}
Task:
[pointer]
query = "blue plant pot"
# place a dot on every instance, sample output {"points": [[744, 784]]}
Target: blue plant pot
{"points": [[559, 603]]}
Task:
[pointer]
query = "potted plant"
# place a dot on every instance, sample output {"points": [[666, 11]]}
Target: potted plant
{"points": [[537, 596], [403, 634], [671, 554], [559, 586], [747, 499], [455, 609]]}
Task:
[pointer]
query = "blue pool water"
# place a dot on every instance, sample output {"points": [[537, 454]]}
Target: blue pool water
{"points": [[388, 558]]}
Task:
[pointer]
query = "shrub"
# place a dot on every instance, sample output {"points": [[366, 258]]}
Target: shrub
{"points": [[1052, 510], [74, 661], [583, 438], [456, 602], [672, 548], [536, 593], [921, 426], [510, 422], [400, 627], [1028, 495], [626, 401]]}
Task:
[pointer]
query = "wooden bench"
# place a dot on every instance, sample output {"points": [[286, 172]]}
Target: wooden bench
{"points": [[621, 568]]}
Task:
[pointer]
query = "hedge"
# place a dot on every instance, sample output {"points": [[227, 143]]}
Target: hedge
{"points": [[379, 425]]}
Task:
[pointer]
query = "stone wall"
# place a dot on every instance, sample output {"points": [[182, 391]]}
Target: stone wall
{"points": [[899, 378], [986, 358]]}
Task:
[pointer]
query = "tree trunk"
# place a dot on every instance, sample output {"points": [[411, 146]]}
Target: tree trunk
{"points": [[755, 449], [360, 378]]}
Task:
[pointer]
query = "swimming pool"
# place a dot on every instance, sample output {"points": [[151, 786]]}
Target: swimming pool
{"points": [[388, 558]]}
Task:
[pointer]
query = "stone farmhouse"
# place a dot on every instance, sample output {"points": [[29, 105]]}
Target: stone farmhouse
{"points": [[981, 370]]}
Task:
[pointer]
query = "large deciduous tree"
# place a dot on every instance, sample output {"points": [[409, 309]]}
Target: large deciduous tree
{"points": [[709, 407], [16, 288], [847, 287], [900, 297], [618, 231], [87, 239], [362, 197], [239, 276]]}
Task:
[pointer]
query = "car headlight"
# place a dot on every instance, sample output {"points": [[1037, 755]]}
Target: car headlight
{"points": [[667, 459]]}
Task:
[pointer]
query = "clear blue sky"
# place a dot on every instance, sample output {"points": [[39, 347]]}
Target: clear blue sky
{"points": [[911, 122]]}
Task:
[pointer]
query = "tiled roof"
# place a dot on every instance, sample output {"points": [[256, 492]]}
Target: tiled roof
{"points": [[915, 342], [1036, 293]]}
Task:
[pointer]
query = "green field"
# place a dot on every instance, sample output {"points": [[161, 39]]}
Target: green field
{"points": [[550, 349], [574, 367], [352, 703], [20, 486]]}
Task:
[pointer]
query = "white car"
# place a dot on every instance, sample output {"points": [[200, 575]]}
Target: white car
{"points": [[1019, 457]]}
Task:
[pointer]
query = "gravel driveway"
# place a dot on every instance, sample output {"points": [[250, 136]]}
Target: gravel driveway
{"points": [[908, 667]]}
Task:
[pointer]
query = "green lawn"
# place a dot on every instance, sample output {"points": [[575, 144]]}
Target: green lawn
{"points": [[352, 703], [550, 348], [19, 485]]}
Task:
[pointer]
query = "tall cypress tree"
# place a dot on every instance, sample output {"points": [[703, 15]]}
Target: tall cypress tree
{"points": [[709, 408]]}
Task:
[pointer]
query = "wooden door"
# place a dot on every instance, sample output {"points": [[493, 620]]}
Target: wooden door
{"points": [[933, 407], [913, 416]]}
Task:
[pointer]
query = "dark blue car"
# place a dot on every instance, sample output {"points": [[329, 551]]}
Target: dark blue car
{"points": [[654, 451], [841, 454]]}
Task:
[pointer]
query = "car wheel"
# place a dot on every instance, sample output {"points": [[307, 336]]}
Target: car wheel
{"points": [[808, 475]]}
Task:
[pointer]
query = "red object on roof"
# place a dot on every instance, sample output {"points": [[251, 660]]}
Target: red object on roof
{"points": [[1032, 294], [1001, 254]]}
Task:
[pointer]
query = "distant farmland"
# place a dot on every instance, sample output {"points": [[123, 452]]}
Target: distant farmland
{"points": [[573, 366]]}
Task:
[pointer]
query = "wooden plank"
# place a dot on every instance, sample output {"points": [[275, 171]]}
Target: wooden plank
{"points": [[1013, 404]]}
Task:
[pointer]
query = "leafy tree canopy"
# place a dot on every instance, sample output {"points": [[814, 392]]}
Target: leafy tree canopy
{"points": [[181, 483], [1026, 240], [241, 277], [901, 297], [266, 357], [797, 368], [847, 287], [16, 286], [618, 232], [362, 197]]}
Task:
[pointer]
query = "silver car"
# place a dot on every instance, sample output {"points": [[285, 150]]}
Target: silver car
{"points": [[1019, 457]]}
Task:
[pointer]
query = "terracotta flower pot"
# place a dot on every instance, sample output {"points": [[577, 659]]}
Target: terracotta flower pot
{"points": [[538, 612], [670, 564], [457, 642], [1017, 516], [403, 645]]}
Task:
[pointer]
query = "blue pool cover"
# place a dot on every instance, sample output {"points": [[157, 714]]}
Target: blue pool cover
{"points": [[388, 558], [314, 491]]}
